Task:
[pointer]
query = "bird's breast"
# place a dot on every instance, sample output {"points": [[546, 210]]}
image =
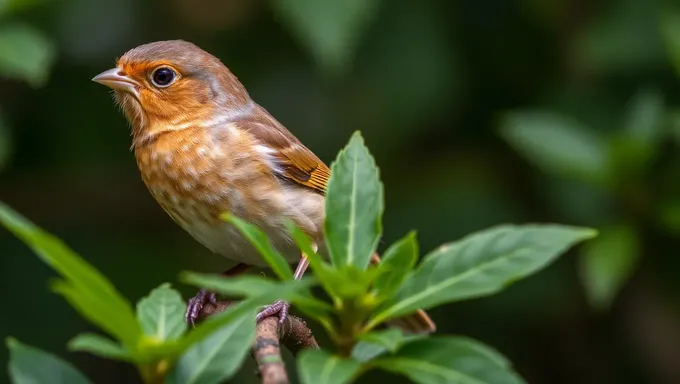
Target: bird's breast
{"points": [[195, 178]]}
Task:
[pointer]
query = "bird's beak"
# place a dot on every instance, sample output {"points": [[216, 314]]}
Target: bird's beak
{"points": [[117, 81]]}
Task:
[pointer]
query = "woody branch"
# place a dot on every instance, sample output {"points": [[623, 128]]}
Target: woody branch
{"points": [[266, 350]]}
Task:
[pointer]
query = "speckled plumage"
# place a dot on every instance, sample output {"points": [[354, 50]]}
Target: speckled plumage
{"points": [[197, 174]]}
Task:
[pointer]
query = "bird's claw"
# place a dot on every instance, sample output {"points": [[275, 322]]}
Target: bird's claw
{"points": [[197, 303], [279, 308]]}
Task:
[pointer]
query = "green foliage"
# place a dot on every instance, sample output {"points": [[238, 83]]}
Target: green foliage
{"points": [[608, 262], [260, 241], [161, 314], [354, 199], [154, 338], [83, 286], [362, 296], [25, 53], [29, 365], [100, 346], [670, 29], [320, 367], [398, 260], [218, 357], [556, 143], [330, 30], [450, 360], [613, 161], [366, 296], [481, 264]]}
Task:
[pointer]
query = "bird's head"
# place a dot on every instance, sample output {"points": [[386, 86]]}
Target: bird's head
{"points": [[171, 85]]}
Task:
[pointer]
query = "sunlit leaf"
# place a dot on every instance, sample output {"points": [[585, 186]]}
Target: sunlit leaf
{"points": [[354, 206], [260, 241], [450, 360], [557, 144], [85, 287], [330, 30], [29, 365], [607, 262], [317, 366], [161, 314], [217, 357], [25, 53], [100, 346], [481, 264], [396, 262]]}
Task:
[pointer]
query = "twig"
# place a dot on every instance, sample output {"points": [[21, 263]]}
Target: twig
{"points": [[295, 336]]}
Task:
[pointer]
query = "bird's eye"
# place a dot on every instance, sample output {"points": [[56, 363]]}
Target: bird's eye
{"points": [[163, 77]]}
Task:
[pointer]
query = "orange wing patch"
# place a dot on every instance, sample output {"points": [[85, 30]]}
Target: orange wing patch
{"points": [[304, 170]]}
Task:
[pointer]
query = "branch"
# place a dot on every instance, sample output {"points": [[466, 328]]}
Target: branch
{"points": [[295, 335]]}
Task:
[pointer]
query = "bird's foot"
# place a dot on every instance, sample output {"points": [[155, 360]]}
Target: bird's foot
{"points": [[279, 308], [197, 303]]}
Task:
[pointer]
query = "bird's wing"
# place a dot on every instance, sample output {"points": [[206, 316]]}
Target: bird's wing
{"points": [[294, 161]]}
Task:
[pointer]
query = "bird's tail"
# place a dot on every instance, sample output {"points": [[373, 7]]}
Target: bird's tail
{"points": [[418, 322]]}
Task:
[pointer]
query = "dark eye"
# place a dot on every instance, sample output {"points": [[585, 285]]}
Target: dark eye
{"points": [[163, 76]]}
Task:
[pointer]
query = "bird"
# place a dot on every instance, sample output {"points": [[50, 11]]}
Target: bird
{"points": [[203, 147]]}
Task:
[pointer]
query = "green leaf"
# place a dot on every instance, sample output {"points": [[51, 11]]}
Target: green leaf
{"points": [[330, 30], [390, 339], [644, 120], [217, 357], [607, 263], [481, 264], [261, 242], [25, 53], [249, 286], [246, 286], [317, 366], [450, 360], [29, 365], [100, 346], [85, 287], [633, 148], [396, 262], [371, 345], [331, 279], [161, 314], [557, 144], [354, 206]]}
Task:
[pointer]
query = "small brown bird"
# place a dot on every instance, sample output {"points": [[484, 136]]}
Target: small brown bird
{"points": [[204, 147]]}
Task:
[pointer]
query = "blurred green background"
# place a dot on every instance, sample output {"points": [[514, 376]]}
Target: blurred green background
{"points": [[478, 112]]}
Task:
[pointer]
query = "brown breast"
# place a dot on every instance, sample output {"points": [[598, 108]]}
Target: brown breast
{"points": [[195, 174]]}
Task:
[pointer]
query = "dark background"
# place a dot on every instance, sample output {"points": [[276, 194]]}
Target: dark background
{"points": [[429, 84]]}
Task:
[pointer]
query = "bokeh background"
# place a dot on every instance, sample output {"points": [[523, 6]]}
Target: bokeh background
{"points": [[478, 112]]}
